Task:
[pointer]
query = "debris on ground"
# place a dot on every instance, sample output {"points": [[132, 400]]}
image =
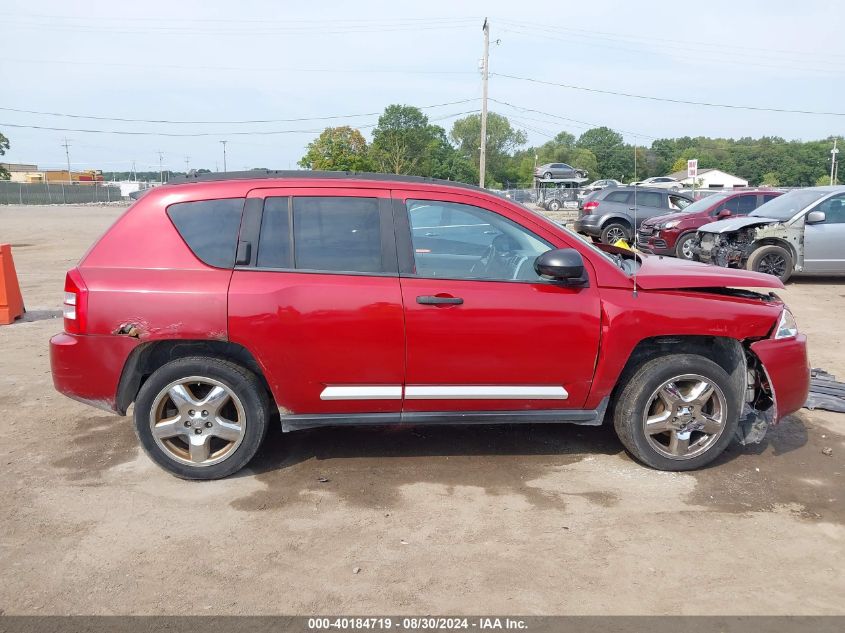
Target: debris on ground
{"points": [[356, 570], [825, 392], [827, 451], [323, 480]]}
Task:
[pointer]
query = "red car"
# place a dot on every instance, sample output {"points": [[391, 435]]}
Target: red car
{"points": [[225, 302], [673, 233]]}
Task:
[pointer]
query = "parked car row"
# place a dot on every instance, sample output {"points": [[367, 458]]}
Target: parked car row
{"points": [[766, 231]]}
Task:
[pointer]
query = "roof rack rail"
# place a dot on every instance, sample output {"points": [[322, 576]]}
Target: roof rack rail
{"points": [[303, 173]]}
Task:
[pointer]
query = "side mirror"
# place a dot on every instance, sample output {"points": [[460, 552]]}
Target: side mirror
{"points": [[724, 213], [815, 217], [562, 264]]}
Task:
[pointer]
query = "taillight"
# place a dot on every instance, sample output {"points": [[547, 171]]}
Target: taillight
{"points": [[75, 306], [590, 206]]}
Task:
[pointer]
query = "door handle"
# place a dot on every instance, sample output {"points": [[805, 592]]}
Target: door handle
{"points": [[430, 300]]}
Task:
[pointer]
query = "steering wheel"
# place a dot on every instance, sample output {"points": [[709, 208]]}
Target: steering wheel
{"points": [[494, 263]]}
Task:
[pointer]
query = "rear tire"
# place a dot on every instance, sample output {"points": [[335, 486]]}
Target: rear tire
{"points": [[771, 260], [613, 232], [661, 420], [547, 175], [201, 417], [554, 205]]}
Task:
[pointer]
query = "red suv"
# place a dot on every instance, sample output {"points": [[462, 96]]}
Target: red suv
{"points": [[223, 303], [673, 233]]}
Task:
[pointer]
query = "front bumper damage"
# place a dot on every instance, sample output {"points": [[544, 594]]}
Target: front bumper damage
{"points": [[777, 384]]}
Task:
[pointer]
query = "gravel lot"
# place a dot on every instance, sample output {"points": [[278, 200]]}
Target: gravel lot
{"points": [[498, 520]]}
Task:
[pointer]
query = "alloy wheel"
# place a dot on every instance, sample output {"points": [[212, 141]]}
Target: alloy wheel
{"points": [[615, 234], [685, 416], [772, 264], [198, 421]]}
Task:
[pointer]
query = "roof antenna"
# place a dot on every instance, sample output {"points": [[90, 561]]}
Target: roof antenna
{"points": [[635, 217]]}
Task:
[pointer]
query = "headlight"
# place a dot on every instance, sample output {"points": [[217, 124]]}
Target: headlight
{"points": [[670, 225], [786, 325]]}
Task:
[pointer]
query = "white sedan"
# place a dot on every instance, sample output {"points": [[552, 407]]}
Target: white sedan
{"points": [[659, 182]]}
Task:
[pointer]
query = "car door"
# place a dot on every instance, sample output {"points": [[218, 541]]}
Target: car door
{"points": [[647, 204], [483, 331], [315, 297], [823, 241]]}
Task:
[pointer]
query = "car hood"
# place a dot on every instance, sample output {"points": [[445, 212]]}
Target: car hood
{"points": [[669, 273], [667, 217], [734, 224]]}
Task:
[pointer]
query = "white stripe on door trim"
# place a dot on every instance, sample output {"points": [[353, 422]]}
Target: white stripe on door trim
{"points": [[362, 392], [485, 392]]}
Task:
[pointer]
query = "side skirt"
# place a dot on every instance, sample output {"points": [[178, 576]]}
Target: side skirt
{"points": [[587, 417]]}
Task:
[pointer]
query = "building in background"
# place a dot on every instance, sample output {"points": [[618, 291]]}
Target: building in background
{"points": [[21, 172], [710, 179]]}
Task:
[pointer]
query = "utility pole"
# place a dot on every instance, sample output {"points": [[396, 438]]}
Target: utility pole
{"points": [[66, 145], [160, 168], [224, 155], [485, 63], [833, 154], [187, 164], [134, 173]]}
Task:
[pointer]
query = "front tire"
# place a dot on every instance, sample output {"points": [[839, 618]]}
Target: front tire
{"points": [[201, 418], [683, 249], [554, 205], [771, 260], [677, 412]]}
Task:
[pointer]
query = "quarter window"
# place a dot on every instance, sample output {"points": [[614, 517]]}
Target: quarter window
{"points": [[460, 241], [337, 234], [210, 228]]}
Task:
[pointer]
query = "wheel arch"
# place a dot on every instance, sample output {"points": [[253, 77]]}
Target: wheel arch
{"points": [[728, 353], [148, 357], [774, 241]]}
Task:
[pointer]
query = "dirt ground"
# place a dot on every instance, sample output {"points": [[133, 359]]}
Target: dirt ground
{"points": [[490, 520]]}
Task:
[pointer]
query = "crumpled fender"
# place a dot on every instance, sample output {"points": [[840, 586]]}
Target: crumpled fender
{"points": [[787, 371]]}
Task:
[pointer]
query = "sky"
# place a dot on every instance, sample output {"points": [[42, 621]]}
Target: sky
{"points": [[298, 67]]}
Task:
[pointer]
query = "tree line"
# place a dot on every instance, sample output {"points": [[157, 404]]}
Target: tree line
{"points": [[405, 142]]}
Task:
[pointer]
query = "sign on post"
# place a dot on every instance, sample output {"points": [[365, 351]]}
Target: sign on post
{"points": [[692, 168]]}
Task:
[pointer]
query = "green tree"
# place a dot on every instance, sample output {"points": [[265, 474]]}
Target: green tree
{"points": [[4, 145], [337, 149], [502, 140], [400, 140], [614, 158]]}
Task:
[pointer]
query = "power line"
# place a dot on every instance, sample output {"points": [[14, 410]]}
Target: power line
{"points": [[242, 122], [198, 134], [667, 99]]}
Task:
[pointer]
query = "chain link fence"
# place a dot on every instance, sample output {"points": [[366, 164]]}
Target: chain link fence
{"points": [[57, 193]]}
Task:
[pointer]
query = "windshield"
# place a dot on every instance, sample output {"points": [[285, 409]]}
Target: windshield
{"points": [[706, 202], [785, 206]]}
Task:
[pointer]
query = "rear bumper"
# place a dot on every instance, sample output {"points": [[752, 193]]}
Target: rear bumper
{"points": [[585, 226], [88, 368], [787, 370]]}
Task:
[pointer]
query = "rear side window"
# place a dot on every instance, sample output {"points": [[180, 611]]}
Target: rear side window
{"points": [[648, 199], [274, 247], [337, 234], [618, 196], [210, 228]]}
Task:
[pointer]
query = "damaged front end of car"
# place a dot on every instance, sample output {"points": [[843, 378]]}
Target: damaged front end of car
{"points": [[731, 249]]}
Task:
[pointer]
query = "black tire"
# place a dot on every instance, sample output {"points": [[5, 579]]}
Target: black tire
{"points": [[632, 402], [679, 246], [612, 229], [554, 205], [246, 386], [771, 260], [547, 175]]}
